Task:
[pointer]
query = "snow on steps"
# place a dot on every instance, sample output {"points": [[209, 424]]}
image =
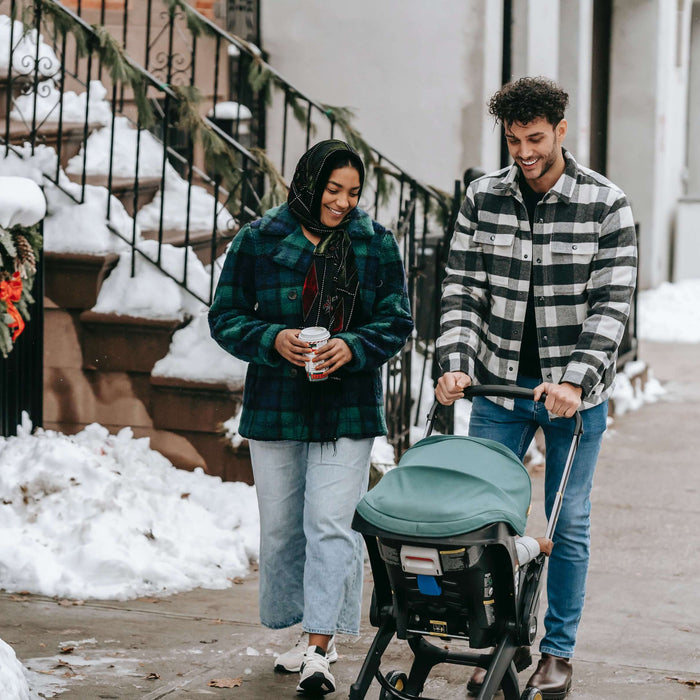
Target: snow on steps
{"points": [[97, 368]]}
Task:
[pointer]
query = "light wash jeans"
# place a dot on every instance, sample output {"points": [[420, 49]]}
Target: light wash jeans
{"points": [[568, 563], [310, 558]]}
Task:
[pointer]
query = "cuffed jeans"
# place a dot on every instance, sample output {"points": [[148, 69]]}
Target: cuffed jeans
{"points": [[568, 563], [310, 558]]}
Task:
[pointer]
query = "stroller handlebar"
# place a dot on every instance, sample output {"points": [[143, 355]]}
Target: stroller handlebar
{"points": [[505, 391], [518, 392]]}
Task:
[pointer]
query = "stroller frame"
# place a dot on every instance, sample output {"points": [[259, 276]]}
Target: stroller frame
{"points": [[501, 672]]}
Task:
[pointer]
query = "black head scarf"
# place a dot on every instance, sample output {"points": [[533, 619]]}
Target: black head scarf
{"points": [[331, 286], [310, 180]]}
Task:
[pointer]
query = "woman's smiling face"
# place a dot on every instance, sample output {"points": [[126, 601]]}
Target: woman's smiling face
{"points": [[340, 196]]}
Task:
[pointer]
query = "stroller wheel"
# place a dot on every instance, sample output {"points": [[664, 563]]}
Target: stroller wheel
{"points": [[531, 694], [395, 679]]}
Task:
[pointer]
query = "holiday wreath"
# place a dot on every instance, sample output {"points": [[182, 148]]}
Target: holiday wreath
{"points": [[20, 247]]}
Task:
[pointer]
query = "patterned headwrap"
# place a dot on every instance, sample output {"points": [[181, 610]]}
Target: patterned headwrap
{"points": [[331, 287], [310, 180]]}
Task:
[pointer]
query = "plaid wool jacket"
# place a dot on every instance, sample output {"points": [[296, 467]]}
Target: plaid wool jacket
{"points": [[260, 293], [581, 254]]}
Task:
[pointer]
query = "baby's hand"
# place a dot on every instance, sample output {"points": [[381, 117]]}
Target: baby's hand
{"points": [[545, 545]]}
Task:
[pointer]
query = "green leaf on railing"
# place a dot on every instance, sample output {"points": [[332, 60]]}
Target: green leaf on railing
{"points": [[261, 79], [120, 69], [300, 114], [277, 191]]}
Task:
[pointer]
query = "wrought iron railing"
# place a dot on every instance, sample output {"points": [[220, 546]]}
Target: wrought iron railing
{"points": [[156, 135]]}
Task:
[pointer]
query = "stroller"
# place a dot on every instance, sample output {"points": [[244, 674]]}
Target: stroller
{"points": [[440, 532]]}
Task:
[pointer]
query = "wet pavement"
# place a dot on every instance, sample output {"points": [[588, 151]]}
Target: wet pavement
{"points": [[640, 635]]}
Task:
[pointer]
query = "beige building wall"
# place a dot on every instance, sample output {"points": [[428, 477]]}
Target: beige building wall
{"points": [[415, 73]]}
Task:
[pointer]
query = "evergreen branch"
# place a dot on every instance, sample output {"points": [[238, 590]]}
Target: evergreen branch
{"points": [[221, 159], [300, 114], [342, 117], [277, 191], [112, 55], [194, 22]]}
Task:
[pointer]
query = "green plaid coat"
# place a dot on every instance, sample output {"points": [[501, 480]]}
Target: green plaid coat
{"points": [[260, 293]]}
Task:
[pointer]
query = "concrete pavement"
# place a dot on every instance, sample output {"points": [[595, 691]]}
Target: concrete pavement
{"points": [[639, 639]]}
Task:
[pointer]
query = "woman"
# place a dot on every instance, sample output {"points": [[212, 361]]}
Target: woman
{"points": [[316, 260]]}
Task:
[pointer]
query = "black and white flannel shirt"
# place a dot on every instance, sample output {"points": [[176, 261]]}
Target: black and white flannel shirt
{"points": [[582, 256]]}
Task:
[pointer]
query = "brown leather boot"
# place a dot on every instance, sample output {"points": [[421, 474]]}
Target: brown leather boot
{"points": [[522, 659], [552, 677]]}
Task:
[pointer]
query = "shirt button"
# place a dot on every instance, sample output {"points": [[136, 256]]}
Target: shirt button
{"points": [[525, 256], [539, 260], [544, 337], [541, 221], [510, 369], [292, 295], [493, 238], [549, 376], [293, 372], [574, 247]]}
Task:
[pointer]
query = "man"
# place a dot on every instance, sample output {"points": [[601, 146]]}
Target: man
{"points": [[539, 279]]}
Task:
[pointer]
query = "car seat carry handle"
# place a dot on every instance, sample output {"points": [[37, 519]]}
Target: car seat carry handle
{"points": [[519, 392]]}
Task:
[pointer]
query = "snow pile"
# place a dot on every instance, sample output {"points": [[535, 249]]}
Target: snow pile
{"points": [[24, 51], [126, 140], [103, 516], [22, 203], [20, 162], [231, 110], [150, 293], [71, 227], [75, 106], [671, 312], [12, 679], [181, 204], [630, 393], [195, 356]]}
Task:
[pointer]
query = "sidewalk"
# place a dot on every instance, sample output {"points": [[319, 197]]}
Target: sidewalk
{"points": [[640, 635]]}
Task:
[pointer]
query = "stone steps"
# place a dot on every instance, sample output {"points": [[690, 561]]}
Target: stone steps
{"points": [[97, 368]]}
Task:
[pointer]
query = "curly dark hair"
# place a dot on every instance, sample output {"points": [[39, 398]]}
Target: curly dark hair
{"points": [[529, 98]]}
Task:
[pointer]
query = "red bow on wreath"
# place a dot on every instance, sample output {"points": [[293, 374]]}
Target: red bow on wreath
{"points": [[11, 292]]}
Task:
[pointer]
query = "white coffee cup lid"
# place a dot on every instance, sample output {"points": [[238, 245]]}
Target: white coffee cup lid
{"points": [[314, 333]]}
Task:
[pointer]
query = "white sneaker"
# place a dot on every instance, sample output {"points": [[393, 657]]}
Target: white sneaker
{"points": [[315, 677], [290, 661]]}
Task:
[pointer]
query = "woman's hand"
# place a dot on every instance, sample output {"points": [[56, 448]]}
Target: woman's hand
{"points": [[332, 356], [292, 349], [451, 386]]}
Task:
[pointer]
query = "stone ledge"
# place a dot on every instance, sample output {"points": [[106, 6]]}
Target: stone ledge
{"points": [[73, 280], [124, 343], [193, 406]]}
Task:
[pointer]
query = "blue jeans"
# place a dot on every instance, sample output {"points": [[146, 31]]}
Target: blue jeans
{"points": [[568, 564], [310, 558]]}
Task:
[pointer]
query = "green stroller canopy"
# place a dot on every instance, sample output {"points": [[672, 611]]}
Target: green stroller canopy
{"points": [[447, 485]]}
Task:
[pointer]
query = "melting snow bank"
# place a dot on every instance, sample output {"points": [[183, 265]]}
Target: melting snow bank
{"points": [[671, 312], [12, 679], [103, 516]]}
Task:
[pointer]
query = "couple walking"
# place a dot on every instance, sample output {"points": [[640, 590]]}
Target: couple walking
{"points": [[537, 293]]}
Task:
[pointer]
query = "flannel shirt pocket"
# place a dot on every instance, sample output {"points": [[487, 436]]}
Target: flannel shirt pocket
{"points": [[568, 245], [491, 238]]}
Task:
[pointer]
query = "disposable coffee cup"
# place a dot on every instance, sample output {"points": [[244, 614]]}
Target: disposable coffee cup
{"points": [[316, 337]]}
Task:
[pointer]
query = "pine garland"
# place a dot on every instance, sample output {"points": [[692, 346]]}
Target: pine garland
{"points": [[277, 191], [20, 248]]}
